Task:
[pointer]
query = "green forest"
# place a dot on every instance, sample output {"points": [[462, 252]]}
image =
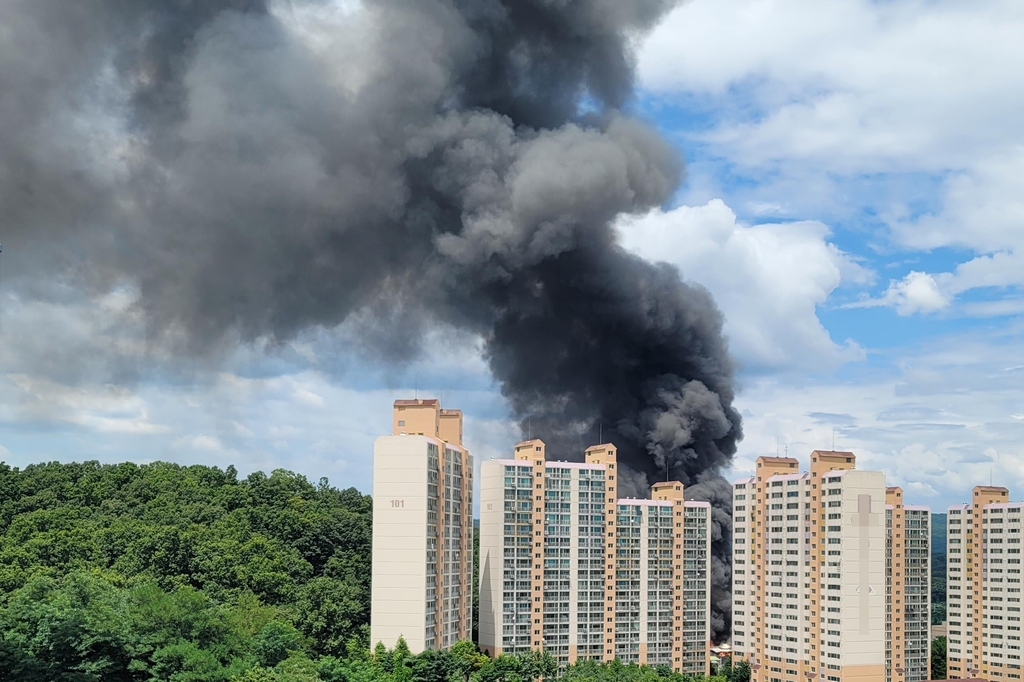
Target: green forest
{"points": [[140, 573]]}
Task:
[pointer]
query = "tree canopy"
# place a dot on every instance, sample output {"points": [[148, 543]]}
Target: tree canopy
{"points": [[159, 572]]}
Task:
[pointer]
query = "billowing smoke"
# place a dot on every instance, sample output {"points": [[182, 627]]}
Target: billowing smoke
{"points": [[255, 169]]}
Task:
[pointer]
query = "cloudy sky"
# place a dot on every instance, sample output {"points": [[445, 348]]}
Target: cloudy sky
{"points": [[854, 202]]}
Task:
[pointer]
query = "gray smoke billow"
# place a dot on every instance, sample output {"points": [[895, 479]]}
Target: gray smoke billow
{"points": [[255, 169]]}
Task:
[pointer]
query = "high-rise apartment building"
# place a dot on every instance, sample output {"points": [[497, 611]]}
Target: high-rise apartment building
{"points": [[908, 561], [983, 586], [568, 567], [422, 586], [824, 584]]}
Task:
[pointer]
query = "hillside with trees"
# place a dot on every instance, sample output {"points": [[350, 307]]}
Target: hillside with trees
{"points": [[938, 569], [158, 572]]}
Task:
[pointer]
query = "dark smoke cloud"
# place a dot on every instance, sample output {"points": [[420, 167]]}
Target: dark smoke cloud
{"points": [[417, 163]]}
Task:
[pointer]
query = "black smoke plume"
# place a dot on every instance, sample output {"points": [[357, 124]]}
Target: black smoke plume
{"points": [[256, 168]]}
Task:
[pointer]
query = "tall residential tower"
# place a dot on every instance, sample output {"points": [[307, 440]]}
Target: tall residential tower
{"points": [[568, 567], [983, 584], [830, 574], [422, 529]]}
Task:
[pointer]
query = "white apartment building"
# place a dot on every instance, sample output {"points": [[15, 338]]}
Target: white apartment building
{"points": [[817, 573], [567, 567], [422, 530], [983, 583]]}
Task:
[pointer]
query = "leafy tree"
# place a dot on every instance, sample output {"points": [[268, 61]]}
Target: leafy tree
{"points": [[400, 653], [939, 658], [466, 659], [503, 668], [740, 672], [297, 668], [276, 642], [256, 674], [537, 664], [432, 666], [383, 657]]}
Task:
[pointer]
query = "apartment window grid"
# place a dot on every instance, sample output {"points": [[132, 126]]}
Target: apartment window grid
{"points": [[889, 530], [695, 590], [787, 579], [1001, 590], [517, 576], [629, 520], [957, 587], [660, 546], [832, 570], [917, 594], [743, 575], [590, 551], [773, 570], [433, 478], [557, 564], [467, 601], [453, 604]]}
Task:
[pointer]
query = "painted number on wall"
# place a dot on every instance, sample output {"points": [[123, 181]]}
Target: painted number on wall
{"points": [[397, 503]]}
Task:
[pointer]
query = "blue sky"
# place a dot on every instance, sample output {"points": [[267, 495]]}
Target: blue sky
{"points": [[854, 201]]}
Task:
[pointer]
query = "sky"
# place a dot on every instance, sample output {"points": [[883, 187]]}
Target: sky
{"points": [[854, 202]]}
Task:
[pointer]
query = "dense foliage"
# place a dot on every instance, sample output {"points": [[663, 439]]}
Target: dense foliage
{"points": [[146, 573], [939, 658], [148, 568]]}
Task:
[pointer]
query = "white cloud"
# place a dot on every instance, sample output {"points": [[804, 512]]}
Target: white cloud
{"points": [[918, 292], [307, 397], [813, 97], [103, 409], [851, 84], [768, 279], [202, 443], [138, 425]]}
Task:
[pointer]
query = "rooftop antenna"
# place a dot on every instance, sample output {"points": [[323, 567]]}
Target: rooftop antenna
{"points": [[787, 449], [776, 446], [833, 439], [600, 432]]}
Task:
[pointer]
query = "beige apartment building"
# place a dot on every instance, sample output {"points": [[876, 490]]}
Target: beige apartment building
{"points": [[830, 574], [422, 529], [983, 586], [568, 567]]}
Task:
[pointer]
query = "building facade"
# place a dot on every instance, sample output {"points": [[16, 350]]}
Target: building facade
{"points": [[908, 588], [422, 587], [568, 567], [983, 586], [821, 573]]}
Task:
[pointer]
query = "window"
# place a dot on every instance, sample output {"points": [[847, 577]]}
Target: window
{"points": [[401, 422]]}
